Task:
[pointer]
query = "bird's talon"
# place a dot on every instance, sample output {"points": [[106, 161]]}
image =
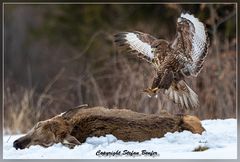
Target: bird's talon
{"points": [[151, 91], [154, 89]]}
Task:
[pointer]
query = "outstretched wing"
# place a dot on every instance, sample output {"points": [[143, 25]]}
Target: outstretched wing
{"points": [[192, 42], [138, 43]]}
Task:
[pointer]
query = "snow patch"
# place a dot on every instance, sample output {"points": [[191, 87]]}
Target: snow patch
{"points": [[220, 137]]}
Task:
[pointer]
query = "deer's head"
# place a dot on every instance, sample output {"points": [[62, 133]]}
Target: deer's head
{"points": [[46, 133]]}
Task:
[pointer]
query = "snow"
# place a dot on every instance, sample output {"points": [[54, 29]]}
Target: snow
{"points": [[220, 136]]}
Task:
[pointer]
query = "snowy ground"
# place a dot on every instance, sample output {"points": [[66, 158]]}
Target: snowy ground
{"points": [[220, 137]]}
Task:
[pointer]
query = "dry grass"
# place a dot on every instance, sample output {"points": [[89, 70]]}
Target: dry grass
{"points": [[18, 112], [94, 73], [200, 148], [119, 84]]}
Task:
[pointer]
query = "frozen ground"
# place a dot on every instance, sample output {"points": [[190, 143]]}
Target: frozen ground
{"points": [[220, 136]]}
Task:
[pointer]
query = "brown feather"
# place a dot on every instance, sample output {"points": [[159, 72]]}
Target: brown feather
{"points": [[172, 61]]}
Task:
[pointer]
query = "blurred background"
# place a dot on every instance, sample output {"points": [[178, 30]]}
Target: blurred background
{"points": [[59, 56]]}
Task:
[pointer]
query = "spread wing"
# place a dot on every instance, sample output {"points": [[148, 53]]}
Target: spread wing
{"points": [[138, 43], [192, 42]]}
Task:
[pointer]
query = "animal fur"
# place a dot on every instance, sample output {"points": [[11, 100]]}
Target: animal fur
{"points": [[74, 126]]}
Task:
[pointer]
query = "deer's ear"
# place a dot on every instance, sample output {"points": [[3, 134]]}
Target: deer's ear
{"points": [[70, 141], [71, 112]]}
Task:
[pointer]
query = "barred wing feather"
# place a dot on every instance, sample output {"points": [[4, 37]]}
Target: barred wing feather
{"points": [[199, 43], [138, 43]]}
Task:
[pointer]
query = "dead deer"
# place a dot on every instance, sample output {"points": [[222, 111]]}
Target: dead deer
{"points": [[74, 126]]}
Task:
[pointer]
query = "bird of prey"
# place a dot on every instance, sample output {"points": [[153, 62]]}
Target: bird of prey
{"points": [[172, 61]]}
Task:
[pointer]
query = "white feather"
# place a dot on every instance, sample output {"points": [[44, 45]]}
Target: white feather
{"points": [[171, 94], [181, 100], [176, 97], [199, 27], [193, 97], [199, 39], [167, 91], [185, 100], [136, 44]]}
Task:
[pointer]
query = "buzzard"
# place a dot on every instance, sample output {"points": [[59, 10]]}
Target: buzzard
{"points": [[172, 61]]}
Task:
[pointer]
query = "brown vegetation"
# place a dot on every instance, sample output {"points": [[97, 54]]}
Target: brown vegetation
{"points": [[76, 125], [200, 148], [63, 55]]}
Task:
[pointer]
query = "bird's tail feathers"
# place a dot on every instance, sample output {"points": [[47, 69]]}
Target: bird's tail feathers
{"points": [[183, 95]]}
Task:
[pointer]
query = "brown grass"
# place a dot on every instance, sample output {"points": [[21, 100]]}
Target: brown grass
{"points": [[118, 84], [18, 110], [93, 72], [200, 148]]}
